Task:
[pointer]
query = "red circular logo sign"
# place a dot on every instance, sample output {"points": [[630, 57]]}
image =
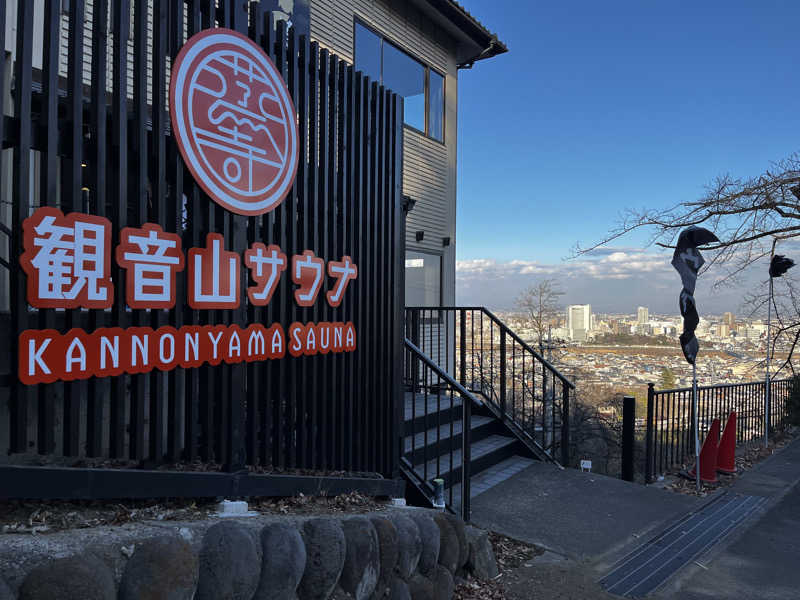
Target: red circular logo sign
{"points": [[234, 121]]}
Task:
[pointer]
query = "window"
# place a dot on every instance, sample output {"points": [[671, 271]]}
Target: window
{"points": [[421, 87], [436, 107], [423, 279]]}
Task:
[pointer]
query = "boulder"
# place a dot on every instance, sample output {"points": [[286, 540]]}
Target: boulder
{"points": [[409, 545], [230, 563], [398, 589], [5, 591], [362, 559], [481, 561], [459, 528], [162, 568], [429, 533], [325, 554], [340, 594], [387, 543], [81, 577], [443, 584], [421, 588], [283, 562], [449, 548]]}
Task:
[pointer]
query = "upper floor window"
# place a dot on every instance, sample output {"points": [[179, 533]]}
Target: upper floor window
{"points": [[421, 87]]}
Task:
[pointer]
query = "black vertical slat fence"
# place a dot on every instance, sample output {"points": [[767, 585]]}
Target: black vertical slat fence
{"points": [[669, 426], [106, 148]]}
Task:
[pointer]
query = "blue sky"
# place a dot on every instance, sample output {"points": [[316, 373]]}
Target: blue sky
{"points": [[601, 106]]}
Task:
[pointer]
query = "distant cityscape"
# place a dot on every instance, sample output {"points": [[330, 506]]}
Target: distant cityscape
{"points": [[619, 350]]}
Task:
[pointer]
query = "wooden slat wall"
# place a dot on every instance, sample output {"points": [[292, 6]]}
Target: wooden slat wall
{"points": [[323, 412]]}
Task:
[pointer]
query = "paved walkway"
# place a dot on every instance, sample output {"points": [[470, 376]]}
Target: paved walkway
{"points": [[579, 515], [596, 520], [759, 560]]}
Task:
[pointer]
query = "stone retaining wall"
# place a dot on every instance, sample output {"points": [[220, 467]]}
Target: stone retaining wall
{"points": [[404, 554]]}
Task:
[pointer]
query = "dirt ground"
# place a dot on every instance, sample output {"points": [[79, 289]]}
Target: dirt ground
{"points": [[527, 572], [41, 517], [748, 455]]}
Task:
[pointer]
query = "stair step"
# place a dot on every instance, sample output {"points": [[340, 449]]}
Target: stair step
{"points": [[503, 470], [416, 406], [481, 451], [423, 413], [489, 478], [477, 422]]}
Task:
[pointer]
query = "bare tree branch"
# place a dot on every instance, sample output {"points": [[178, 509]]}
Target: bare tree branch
{"points": [[539, 304]]}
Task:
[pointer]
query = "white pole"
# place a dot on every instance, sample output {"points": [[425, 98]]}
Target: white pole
{"points": [[696, 426], [767, 384]]}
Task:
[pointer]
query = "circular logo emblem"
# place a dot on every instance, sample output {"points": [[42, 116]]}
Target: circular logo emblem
{"points": [[234, 121]]}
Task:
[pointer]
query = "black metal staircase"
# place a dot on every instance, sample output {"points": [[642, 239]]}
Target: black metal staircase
{"points": [[480, 404]]}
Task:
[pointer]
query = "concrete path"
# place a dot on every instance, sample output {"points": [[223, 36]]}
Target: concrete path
{"points": [[596, 520], [759, 560], [579, 515]]}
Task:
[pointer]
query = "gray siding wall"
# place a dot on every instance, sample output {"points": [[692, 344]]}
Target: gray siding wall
{"points": [[429, 167]]}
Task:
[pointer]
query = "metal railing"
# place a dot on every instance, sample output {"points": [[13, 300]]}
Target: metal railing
{"points": [[436, 441], [485, 356], [669, 435]]}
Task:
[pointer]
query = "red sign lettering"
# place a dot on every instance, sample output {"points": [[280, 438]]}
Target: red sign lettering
{"points": [[67, 260]]}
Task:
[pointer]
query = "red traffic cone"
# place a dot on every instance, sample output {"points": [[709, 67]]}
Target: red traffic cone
{"points": [[726, 453], [708, 456]]}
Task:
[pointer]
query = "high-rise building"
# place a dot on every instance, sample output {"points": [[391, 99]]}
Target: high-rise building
{"points": [[728, 319], [642, 315], [579, 321], [613, 324]]}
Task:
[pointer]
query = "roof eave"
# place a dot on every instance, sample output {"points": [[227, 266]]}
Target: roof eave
{"points": [[476, 42]]}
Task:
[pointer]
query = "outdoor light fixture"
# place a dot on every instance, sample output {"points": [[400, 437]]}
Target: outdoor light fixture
{"points": [[445, 241], [408, 204], [420, 236]]}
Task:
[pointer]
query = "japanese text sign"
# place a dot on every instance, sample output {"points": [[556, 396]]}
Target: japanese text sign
{"points": [[67, 259]]}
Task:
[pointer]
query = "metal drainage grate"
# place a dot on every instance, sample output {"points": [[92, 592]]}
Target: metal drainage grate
{"points": [[647, 567]]}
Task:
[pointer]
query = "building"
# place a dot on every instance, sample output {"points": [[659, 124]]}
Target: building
{"points": [[729, 319], [642, 315], [579, 321], [417, 49], [354, 103]]}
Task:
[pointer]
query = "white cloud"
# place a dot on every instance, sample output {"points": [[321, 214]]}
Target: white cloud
{"points": [[606, 265], [611, 279]]}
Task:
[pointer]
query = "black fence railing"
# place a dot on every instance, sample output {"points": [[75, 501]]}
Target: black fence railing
{"points": [[438, 420], [490, 360], [669, 434], [106, 149]]}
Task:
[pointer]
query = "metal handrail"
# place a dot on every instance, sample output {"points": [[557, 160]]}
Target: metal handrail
{"points": [[718, 386], [441, 322], [441, 373], [466, 415], [509, 331], [669, 425]]}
